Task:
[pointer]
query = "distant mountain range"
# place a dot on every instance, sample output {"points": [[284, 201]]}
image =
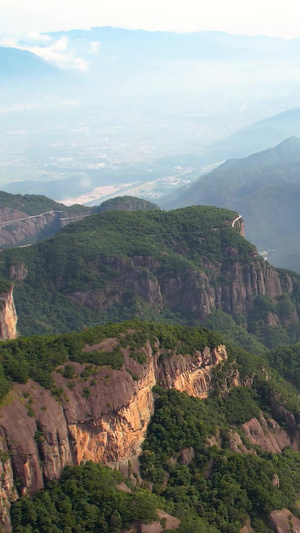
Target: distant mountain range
{"points": [[259, 136], [265, 189], [121, 106], [202, 44], [21, 63]]}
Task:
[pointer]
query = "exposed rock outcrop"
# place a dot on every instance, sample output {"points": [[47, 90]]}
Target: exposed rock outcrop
{"points": [[108, 425], [284, 521], [247, 528], [269, 435], [18, 228], [236, 444], [8, 316], [18, 272], [169, 523], [8, 491], [190, 292]]}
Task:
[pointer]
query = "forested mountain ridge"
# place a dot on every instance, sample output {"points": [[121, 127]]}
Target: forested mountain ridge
{"points": [[125, 203], [265, 189], [213, 451], [176, 266], [26, 219]]}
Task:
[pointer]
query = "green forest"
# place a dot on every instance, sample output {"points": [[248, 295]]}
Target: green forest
{"points": [[217, 489], [93, 254], [197, 463]]}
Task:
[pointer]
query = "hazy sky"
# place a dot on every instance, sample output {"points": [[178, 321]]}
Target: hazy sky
{"points": [[268, 17]]}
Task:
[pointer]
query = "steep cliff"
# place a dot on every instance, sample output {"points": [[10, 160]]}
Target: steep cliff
{"points": [[104, 419], [166, 405], [8, 315], [21, 229]]}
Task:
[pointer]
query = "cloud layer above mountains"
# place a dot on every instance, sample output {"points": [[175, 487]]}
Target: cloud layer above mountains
{"points": [[57, 51]]}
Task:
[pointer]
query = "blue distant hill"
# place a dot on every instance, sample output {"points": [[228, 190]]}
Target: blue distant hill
{"points": [[15, 62]]}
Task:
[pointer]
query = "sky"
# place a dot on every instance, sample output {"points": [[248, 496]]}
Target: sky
{"points": [[276, 18]]}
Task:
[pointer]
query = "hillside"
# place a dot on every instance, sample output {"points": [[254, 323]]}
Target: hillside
{"points": [[211, 431], [175, 266], [257, 137], [15, 63], [126, 203], [29, 218], [265, 189], [34, 204], [25, 219], [254, 138]]}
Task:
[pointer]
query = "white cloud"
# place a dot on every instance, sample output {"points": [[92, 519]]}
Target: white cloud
{"points": [[94, 47], [58, 53], [34, 36], [9, 42], [61, 44]]}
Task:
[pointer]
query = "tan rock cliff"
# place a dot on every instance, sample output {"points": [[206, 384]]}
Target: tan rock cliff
{"points": [[42, 435], [8, 316]]}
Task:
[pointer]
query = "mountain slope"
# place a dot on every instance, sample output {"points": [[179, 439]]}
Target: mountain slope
{"points": [[255, 138], [15, 63], [265, 188], [170, 266], [125, 203], [202, 44], [212, 432], [29, 218]]}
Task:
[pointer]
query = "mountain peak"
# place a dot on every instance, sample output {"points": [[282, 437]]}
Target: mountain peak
{"points": [[289, 148]]}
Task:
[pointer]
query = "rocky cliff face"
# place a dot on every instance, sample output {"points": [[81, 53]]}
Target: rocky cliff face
{"points": [[269, 436], [103, 420], [8, 316], [18, 228], [189, 292]]}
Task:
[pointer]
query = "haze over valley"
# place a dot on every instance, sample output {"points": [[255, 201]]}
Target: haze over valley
{"points": [[110, 111]]}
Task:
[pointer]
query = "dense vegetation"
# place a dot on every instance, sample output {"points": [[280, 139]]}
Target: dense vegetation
{"points": [[87, 499], [286, 360], [5, 286], [34, 204], [92, 255], [126, 203], [234, 333], [114, 265], [217, 484], [216, 489], [36, 357]]}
